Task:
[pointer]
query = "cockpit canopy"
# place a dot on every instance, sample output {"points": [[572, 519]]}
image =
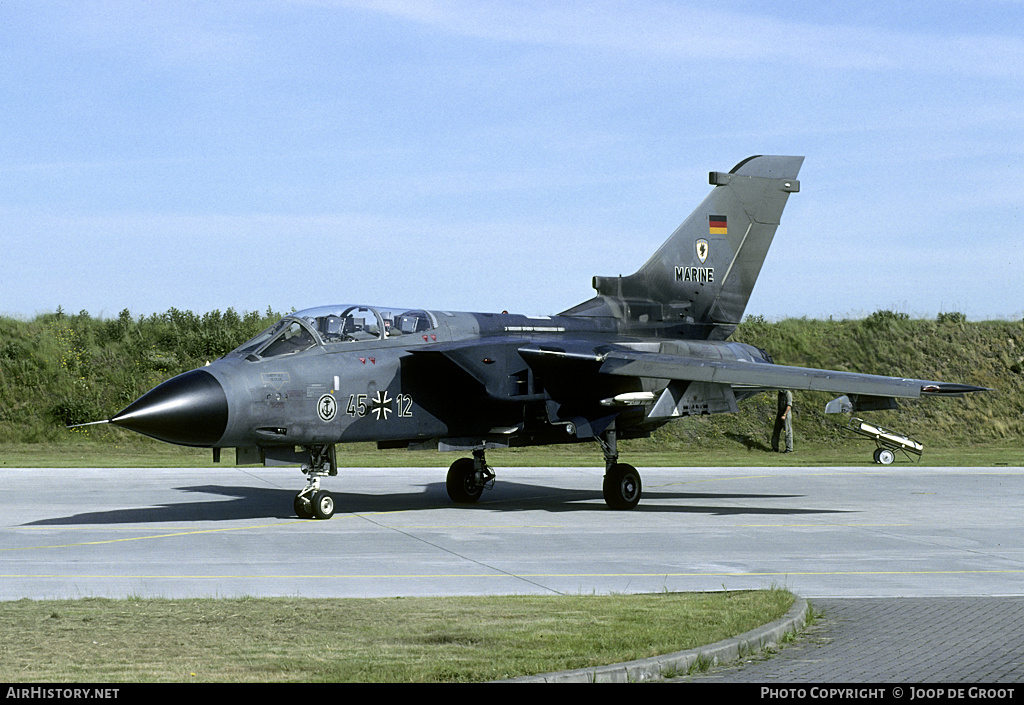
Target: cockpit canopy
{"points": [[331, 325]]}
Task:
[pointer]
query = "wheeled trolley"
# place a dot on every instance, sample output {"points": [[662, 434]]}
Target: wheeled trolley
{"points": [[887, 441]]}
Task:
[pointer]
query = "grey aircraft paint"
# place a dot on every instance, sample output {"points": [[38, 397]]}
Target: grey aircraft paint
{"points": [[648, 348]]}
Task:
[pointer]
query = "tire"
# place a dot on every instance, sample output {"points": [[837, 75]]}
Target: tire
{"points": [[622, 486], [303, 507], [323, 505], [461, 483], [886, 456], [874, 456]]}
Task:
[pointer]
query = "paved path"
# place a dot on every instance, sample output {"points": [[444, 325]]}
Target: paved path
{"points": [[897, 640]]}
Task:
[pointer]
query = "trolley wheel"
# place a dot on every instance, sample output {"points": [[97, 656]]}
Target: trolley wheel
{"points": [[886, 456]]}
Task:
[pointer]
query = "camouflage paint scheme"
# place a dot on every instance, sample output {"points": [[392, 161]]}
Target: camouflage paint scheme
{"points": [[648, 348]]}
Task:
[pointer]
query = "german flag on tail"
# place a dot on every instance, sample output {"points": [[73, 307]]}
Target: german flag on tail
{"points": [[717, 225]]}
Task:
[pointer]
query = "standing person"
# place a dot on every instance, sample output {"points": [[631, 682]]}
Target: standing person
{"points": [[784, 421]]}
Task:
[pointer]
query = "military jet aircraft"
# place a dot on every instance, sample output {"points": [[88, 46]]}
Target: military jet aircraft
{"points": [[648, 348]]}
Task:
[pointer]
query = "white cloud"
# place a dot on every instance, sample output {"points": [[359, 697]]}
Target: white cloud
{"points": [[693, 32]]}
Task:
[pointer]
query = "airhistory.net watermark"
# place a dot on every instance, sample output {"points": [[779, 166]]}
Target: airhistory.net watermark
{"points": [[51, 693]]}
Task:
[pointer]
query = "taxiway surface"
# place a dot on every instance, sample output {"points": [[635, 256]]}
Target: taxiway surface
{"points": [[895, 531]]}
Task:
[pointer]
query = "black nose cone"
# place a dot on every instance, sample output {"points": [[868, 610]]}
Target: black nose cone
{"points": [[190, 410]]}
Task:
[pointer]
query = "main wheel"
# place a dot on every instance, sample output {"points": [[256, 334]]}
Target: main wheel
{"points": [[323, 505], [461, 483], [622, 486], [303, 507], [886, 456]]}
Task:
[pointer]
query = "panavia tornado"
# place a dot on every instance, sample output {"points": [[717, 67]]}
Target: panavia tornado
{"points": [[648, 348]]}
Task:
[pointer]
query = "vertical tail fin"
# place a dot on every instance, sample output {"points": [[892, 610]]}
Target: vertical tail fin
{"points": [[704, 273]]}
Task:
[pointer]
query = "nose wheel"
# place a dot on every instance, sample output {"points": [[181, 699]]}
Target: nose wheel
{"points": [[318, 505], [312, 502], [303, 506]]}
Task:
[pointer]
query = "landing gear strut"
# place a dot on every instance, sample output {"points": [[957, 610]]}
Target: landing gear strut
{"points": [[622, 486], [468, 477], [312, 502]]}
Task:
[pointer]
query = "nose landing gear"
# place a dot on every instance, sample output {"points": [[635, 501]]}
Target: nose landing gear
{"points": [[312, 502]]}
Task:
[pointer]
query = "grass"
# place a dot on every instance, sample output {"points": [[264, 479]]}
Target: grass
{"points": [[147, 453], [365, 640]]}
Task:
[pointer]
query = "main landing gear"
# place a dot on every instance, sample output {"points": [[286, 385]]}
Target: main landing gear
{"points": [[469, 477], [312, 502], [622, 486]]}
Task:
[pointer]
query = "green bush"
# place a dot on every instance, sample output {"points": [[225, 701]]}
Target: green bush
{"points": [[57, 370]]}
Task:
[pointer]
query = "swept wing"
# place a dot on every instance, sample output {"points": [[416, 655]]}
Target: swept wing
{"points": [[765, 375]]}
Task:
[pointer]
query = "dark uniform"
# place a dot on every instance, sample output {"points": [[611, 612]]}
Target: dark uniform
{"points": [[784, 421]]}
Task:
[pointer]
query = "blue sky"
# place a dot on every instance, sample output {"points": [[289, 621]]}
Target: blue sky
{"points": [[488, 156]]}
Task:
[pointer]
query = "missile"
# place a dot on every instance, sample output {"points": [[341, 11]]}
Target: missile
{"points": [[630, 399]]}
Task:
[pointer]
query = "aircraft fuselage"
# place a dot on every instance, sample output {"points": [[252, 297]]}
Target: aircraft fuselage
{"points": [[460, 380]]}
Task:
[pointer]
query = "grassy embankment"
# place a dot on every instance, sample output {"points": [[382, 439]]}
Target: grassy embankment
{"points": [[58, 369]]}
